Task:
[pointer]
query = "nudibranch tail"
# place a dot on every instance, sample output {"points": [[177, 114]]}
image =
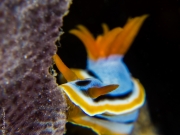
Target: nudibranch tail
{"points": [[112, 42], [67, 73], [95, 92]]}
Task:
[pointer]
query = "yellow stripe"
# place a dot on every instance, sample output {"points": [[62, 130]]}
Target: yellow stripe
{"points": [[79, 73], [95, 127], [93, 109]]}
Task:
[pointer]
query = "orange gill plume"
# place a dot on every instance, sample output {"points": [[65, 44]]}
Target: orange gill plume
{"points": [[116, 41]]}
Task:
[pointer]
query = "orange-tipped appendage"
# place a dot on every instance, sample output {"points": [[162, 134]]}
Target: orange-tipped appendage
{"points": [[95, 92], [112, 42], [67, 73], [105, 28], [123, 41], [86, 37], [107, 40]]}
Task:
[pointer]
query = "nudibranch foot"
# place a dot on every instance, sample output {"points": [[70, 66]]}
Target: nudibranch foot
{"points": [[103, 127]]}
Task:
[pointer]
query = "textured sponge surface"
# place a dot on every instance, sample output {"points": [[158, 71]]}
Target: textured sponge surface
{"points": [[30, 102]]}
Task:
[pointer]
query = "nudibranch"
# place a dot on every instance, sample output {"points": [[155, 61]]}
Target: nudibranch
{"points": [[107, 102]]}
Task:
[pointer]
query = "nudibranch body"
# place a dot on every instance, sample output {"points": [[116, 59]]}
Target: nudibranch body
{"points": [[109, 103]]}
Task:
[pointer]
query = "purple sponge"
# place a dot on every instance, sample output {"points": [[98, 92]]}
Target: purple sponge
{"points": [[30, 101]]}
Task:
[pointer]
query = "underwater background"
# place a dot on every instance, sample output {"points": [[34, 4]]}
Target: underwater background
{"points": [[153, 57], [30, 100]]}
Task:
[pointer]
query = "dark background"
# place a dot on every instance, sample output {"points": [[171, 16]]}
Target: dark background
{"points": [[154, 56]]}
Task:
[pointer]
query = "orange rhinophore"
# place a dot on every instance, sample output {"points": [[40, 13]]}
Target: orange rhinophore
{"points": [[68, 74]]}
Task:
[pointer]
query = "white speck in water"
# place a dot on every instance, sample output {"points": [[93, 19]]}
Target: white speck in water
{"points": [[25, 56], [7, 82], [49, 100]]}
